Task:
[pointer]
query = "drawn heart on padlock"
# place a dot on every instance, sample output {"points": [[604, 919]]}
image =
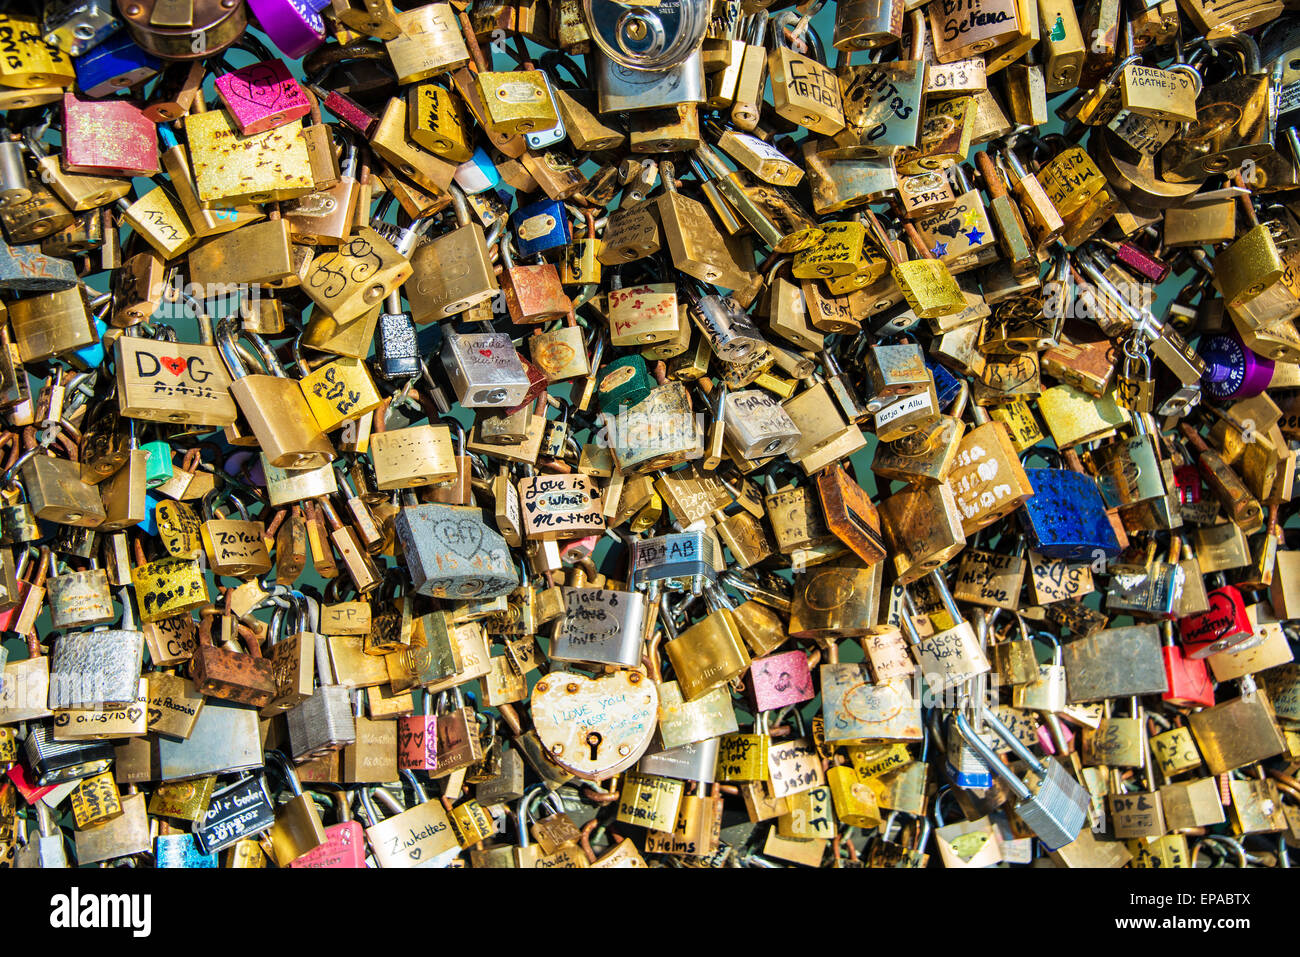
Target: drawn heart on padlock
{"points": [[464, 538], [257, 84], [155, 715], [485, 353], [415, 853], [133, 714], [174, 365], [1056, 572]]}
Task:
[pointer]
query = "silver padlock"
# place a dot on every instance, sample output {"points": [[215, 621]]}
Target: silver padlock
{"points": [[624, 89], [727, 327], [484, 369], [757, 425], [75, 26], [1047, 693], [1055, 807], [687, 762], [13, 175], [1153, 589], [45, 847], [98, 669], [79, 599], [324, 722], [681, 555], [53, 762], [600, 626]]}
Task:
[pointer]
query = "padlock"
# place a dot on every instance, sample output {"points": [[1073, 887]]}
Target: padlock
{"points": [[419, 836], [79, 598], [274, 405], [950, 656]]}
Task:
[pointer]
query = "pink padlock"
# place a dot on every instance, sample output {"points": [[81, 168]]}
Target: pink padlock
{"points": [[417, 742], [1046, 741], [779, 680], [262, 96], [108, 138], [579, 550]]}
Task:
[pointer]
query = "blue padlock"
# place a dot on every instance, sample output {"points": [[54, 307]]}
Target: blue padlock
{"points": [[1066, 517], [114, 65], [91, 356], [180, 850], [150, 524], [477, 174], [946, 385], [540, 226]]}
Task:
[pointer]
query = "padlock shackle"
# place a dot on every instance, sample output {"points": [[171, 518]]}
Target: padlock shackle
{"points": [[277, 759], [988, 756], [409, 777]]}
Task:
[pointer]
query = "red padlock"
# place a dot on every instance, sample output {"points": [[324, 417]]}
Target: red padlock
{"points": [[108, 138], [1187, 479], [417, 742], [1224, 626]]}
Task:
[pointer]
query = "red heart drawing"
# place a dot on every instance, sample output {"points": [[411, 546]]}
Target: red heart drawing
{"points": [[485, 353], [174, 365]]}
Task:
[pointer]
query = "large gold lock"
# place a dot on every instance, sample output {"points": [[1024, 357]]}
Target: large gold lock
{"points": [[923, 528], [453, 272], [275, 407], [339, 391], [357, 277], [29, 62], [235, 547], [708, 654], [516, 102], [804, 91], [411, 457], [430, 43], [987, 480], [561, 353], [51, 324], [222, 173]]}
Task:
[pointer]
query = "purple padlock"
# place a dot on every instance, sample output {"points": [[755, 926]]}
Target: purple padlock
{"points": [[779, 680], [294, 26], [235, 462], [1232, 371]]}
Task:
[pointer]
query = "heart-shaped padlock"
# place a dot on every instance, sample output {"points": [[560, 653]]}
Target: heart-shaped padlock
{"points": [[595, 727]]}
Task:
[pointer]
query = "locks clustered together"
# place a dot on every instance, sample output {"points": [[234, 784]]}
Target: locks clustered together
{"points": [[605, 434]]}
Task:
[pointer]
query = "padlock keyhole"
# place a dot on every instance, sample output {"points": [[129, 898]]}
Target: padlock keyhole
{"points": [[593, 742]]}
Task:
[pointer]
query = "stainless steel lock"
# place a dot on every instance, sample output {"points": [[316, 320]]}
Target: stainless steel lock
{"points": [[625, 89], [725, 325], [757, 425], [484, 369], [600, 626], [98, 669]]}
